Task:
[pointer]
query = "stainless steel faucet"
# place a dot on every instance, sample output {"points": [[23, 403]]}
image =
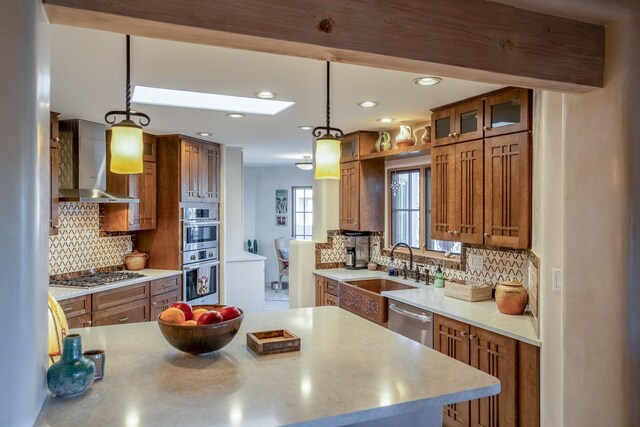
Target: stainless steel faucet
{"points": [[410, 253]]}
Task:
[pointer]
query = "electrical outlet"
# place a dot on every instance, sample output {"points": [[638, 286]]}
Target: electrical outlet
{"points": [[557, 280], [475, 261]]}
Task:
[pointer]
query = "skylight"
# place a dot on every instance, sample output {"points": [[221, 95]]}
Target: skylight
{"points": [[208, 101]]}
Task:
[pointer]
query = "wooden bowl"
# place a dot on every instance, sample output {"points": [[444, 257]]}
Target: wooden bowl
{"points": [[202, 338]]}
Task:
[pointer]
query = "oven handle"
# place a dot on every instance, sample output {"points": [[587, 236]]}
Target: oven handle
{"points": [[198, 265], [190, 223], [419, 317]]}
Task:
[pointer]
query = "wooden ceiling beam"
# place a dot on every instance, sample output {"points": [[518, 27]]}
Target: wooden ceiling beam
{"points": [[468, 39]]}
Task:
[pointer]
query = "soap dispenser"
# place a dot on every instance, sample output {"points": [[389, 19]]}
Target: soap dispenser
{"points": [[438, 278], [392, 268]]}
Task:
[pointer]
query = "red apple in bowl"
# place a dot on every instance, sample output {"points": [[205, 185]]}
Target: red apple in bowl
{"points": [[209, 318], [185, 308], [230, 312]]}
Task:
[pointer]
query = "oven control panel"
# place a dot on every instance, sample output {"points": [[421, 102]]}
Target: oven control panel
{"points": [[192, 257]]}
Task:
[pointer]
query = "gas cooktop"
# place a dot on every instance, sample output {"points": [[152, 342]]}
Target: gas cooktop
{"points": [[97, 279]]}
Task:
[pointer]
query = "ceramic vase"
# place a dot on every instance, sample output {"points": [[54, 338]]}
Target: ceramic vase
{"points": [[383, 142], [74, 373], [426, 136], [405, 137], [511, 297]]}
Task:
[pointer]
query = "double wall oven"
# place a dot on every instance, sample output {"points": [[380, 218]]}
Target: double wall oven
{"points": [[200, 262]]}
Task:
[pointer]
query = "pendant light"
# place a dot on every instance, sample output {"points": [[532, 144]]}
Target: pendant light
{"points": [[306, 164], [328, 143], [126, 136]]}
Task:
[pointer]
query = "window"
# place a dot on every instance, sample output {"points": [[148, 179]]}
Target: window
{"points": [[406, 187], [405, 207], [301, 227]]}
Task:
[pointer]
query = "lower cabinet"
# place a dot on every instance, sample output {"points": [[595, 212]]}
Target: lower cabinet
{"points": [[326, 292], [130, 304], [133, 312], [514, 363]]}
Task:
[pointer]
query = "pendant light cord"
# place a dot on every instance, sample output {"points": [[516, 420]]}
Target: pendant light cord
{"points": [[111, 116], [128, 93], [328, 96]]}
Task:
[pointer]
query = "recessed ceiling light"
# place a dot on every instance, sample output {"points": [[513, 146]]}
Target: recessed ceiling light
{"points": [[305, 127], [203, 133], [235, 115], [386, 120], [367, 104], [208, 101], [427, 81], [265, 94]]}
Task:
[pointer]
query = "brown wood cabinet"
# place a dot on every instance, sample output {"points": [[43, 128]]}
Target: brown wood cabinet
{"points": [[326, 292], [481, 188], [356, 144], [129, 304], [133, 216], [452, 338], [135, 303], [189, 171], [457, 192], [362, 195], [200, 164], [507, 199], [54, 161], [507, 112], [164, 292], [77, 311], [459, 123], [514, 363]]}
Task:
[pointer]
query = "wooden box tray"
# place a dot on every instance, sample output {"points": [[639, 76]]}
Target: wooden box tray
{"points": [[272, 342], [467, 290]]}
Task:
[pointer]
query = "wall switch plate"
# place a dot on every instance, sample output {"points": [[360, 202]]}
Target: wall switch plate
{"points": [[475, 261], [556, 273]]}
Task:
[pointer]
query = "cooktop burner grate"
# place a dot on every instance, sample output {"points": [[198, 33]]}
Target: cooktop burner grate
{"points": [[96, 279]]}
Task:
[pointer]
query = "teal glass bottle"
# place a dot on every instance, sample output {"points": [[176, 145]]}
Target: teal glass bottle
{"points": [[73, 374]]}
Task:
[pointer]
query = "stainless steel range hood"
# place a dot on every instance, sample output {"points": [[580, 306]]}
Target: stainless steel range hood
{"points": [[83, 164]]}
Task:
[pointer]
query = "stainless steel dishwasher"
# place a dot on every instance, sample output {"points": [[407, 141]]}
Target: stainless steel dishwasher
{"points": [[412, 322]]}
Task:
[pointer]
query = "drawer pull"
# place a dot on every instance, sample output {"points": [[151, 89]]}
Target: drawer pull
{"points": [[124, 319], [68, 309], [88, 323]]}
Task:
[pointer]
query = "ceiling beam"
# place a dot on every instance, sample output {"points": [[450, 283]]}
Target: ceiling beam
{"points": [[469, 39]]}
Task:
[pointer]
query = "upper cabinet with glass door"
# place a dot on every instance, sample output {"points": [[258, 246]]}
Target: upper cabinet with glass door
{"points": [[458, 124], [507, 112]]}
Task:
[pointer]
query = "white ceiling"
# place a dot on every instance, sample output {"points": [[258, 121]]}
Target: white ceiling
{"points": [[88, 79]]}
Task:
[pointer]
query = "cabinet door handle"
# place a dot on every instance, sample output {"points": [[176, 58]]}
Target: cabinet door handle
{"points": [[471, 336], [124, 319], [450, 231], [461, 333], [487, 128], [487, 235], [456, 232], [450, 135], [88, 323]]}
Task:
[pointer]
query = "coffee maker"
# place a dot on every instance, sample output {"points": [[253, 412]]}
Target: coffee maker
{"points": [[357, 247]]}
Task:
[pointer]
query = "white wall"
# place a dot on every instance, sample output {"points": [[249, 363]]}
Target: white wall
{"points": [[24, 191], [260, 185], [547, 243]]}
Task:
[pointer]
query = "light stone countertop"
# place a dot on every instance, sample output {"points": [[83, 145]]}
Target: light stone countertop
{"points": [[348, 370], [62, 293], [483, 314], [246, 257]]}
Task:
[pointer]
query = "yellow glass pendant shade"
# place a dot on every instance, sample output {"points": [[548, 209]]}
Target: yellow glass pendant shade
{"points": [[126, 148], [327, 157], [58, 327]]}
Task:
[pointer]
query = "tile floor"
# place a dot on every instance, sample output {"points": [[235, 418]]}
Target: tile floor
{"points": [[275, 300]]}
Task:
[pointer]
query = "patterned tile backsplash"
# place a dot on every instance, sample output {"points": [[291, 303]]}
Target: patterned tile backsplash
{"points": [[498, 264], [79, 246]]}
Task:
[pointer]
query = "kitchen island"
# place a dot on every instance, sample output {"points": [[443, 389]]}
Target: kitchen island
{"points": [[348, 371]]}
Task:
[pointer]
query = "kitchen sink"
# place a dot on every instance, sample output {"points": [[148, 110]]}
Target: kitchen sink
{"points": [[363, 297]]}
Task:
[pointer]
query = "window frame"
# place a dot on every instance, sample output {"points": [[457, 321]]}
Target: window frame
{"points": [[303, 211], [422, 251]]}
